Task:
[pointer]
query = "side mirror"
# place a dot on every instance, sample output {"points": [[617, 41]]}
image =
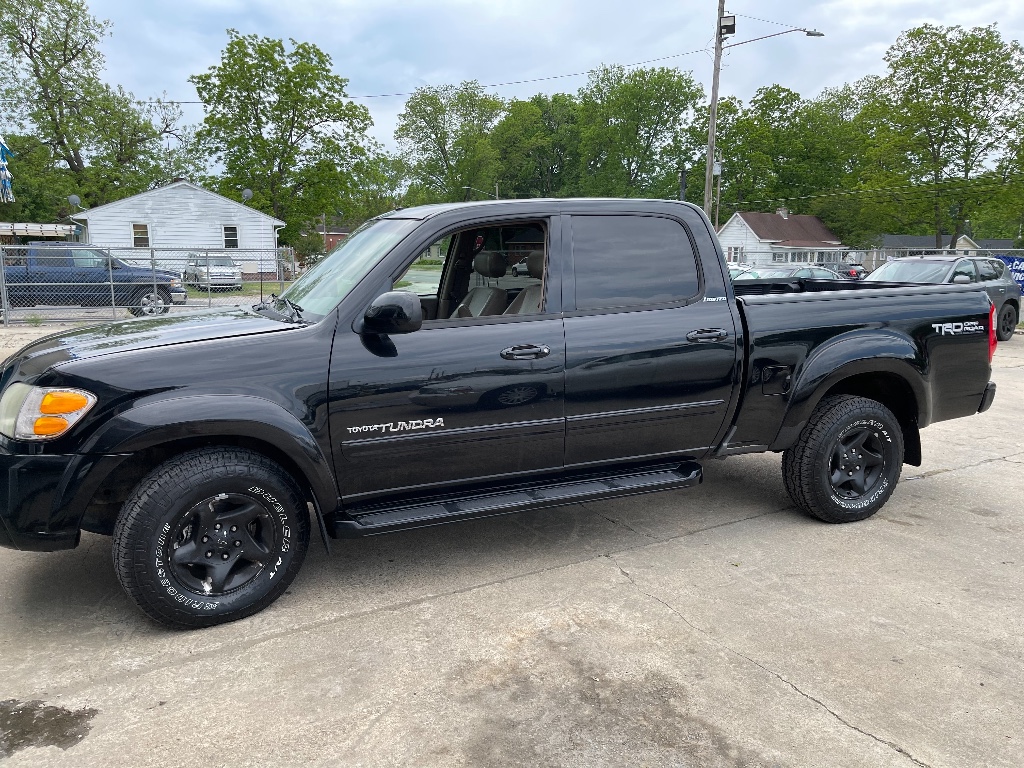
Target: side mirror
{"points": [[961, 279], [393, 312]]}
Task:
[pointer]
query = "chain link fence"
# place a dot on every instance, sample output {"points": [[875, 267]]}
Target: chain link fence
{"points": [[68, 282]]}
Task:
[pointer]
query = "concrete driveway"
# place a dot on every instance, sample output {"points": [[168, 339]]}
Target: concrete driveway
{"points": [[708, 627]]}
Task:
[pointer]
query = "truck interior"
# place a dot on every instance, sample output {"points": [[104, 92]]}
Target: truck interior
{"points": [[481, 272]]}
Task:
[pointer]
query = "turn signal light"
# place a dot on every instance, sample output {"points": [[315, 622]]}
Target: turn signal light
{"points": [[992, 339], [56, 403], [47, 426]]}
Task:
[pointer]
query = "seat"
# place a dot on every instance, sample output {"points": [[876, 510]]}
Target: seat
{"points": [[483, 301], [529, 299]]}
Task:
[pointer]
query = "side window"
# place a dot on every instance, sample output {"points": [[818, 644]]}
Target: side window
{"points": [[965, 267], [88, 259], [631, 261], [424, 275], [987, 269], [140, 235], [230, 237]]}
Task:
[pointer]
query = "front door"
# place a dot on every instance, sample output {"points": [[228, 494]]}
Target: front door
{"points": [[652, 348], [465, 398]]}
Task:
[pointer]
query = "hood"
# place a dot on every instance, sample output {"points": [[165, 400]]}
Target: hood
{"points": [[144, 333]]}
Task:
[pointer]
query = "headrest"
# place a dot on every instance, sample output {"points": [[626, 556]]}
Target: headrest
{"points": [[490, 264], [535, 264]]}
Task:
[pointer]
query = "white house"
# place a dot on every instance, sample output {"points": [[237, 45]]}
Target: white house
{"points": [[173, 221], [780, 237]]}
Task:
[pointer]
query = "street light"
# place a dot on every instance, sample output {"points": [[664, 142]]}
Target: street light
{"points": [[725, 26]]}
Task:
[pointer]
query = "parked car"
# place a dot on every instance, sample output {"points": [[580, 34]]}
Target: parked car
{"points": [[986, 272], [794, 272], [210, 445], [212, 272], [851, 271], [74, 274]]}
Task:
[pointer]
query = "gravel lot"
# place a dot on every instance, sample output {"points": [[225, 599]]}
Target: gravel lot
{"points": [[714, 626]]}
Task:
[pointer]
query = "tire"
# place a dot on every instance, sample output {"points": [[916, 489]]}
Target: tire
{"points": [[845, 434], [148, 302], [1007, 322], [175, 551], [515, 271]]}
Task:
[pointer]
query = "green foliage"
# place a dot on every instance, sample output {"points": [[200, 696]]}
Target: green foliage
{"points": [[279, 123], [79, 134], [444, 133]]}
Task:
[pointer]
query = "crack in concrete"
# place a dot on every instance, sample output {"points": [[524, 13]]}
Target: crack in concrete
{"points": [[934, 472], [717, 642], [254, 642]]}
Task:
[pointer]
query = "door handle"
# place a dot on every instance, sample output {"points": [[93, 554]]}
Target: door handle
{"points": [[525, 352], [707, 334]]}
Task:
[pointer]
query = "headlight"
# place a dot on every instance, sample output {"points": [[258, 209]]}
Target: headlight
{"points": [[175, 282], [42, 413]]}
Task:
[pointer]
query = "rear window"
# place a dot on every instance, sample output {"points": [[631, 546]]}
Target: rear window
{"points": [[629, 261], [910, 271]]}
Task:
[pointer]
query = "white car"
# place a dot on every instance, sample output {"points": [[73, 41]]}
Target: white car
{"points": [[212, 272]]}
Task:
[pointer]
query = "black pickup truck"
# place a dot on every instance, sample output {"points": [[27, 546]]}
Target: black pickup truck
{"points": [[615, 360]]}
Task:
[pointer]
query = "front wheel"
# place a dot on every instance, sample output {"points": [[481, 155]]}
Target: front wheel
{"points": [[1007, 323], [210, 536], [151, 302], [847, 460]]}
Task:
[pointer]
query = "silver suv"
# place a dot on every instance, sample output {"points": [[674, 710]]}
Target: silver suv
{"points": [[988, 272], [212, 272]]}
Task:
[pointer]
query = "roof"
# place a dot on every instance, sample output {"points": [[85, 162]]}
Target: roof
{"points": [[161, 190], [542, 205], [912, 241], [798, 230]]}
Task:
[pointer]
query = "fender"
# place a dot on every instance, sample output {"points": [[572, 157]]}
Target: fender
{"points": [[858, 352], [197, 416]]}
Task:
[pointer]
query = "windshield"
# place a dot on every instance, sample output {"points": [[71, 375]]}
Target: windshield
{"points": [[910, 271], [323, 286], [218, 262]]}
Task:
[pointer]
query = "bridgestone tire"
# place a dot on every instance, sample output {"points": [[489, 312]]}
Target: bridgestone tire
{"points": [[810, 466], [166, 516], [1007, 323]]}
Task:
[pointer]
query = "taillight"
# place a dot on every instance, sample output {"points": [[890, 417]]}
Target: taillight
{"points": [[992, 341]]}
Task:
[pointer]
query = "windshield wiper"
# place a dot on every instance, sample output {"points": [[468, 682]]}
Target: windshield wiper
{"points": [[295, 308], [267, 305]]}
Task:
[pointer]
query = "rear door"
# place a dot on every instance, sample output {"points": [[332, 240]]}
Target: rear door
{"points": [[651, 346], [989, 275]]}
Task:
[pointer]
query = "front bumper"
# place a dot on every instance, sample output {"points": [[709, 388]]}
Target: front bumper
{"points": [[30, 486], [179, 296]]}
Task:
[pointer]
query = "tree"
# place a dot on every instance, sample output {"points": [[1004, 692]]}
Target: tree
{"points": [[444, 134], [279, 122], [380, 184], [538, 143], [631, 123], [945, 114], [109, 143]]}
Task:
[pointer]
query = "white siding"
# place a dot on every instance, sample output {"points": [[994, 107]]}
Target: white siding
{"points": [[180, 216], [736, 234]]}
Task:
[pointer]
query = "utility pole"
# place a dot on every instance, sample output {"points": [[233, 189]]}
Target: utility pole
{"points": [[713, 113], [682, 183]]}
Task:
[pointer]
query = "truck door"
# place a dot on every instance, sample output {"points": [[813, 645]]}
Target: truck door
{"points": [[16, 277], [651, 347], [50, 277], [477, 393]]}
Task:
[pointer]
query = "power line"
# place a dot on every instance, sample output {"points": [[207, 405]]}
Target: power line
{"points": [[410, 93]]}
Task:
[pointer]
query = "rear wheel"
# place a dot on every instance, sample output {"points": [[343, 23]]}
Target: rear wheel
{"points": [[151, 302], [210, 536], [1007, 323], [847, 460]]}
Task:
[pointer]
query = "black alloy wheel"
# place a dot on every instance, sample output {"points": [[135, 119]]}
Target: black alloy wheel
{"points": [[846, 462], [211, 536], [223, 543]]}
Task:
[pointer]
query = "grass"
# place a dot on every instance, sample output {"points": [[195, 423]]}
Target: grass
{"points": [[249, 290], [34, 320]]}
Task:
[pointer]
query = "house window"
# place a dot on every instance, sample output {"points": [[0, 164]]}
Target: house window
{"points": [[777, 257], [140, 235], [735, 253], [230, 237]]}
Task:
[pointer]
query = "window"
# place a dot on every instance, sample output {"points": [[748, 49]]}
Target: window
{"points": [[778, 257], [989, 270], [627, 261], [735, 253], [89, 259], [964, 267], [230, 237], [424, 275], [140, 235]]}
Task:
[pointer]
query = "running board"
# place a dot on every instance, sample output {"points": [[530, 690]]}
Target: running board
{"points": [[380, 519]]}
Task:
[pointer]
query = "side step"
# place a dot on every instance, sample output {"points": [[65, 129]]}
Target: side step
{"points": [[380, 519]]}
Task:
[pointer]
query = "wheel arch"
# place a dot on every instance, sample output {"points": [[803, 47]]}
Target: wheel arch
{"points": [[137, 441], [889, 377]]}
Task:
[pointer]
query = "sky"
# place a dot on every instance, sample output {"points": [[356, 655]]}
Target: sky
{"points": [[392, 46]]}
